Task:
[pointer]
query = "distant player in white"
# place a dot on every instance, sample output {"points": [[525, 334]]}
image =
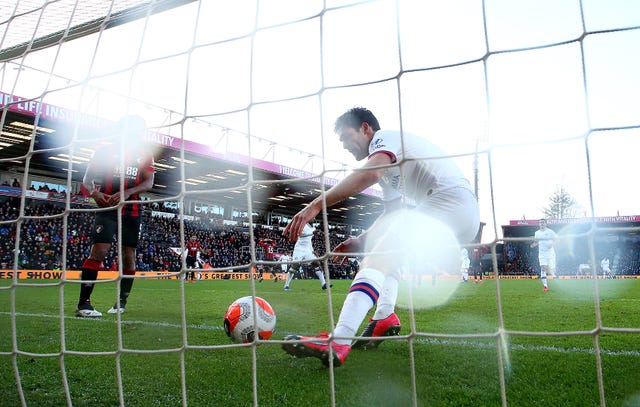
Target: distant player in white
{"points": [[465, 262], [303, 253], [284, 259], [606, 270], [435, 187], [545, 239]]}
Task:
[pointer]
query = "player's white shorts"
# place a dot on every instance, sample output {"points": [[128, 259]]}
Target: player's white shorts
{"points": [[548, 260], [303, 255], [456, 208]]}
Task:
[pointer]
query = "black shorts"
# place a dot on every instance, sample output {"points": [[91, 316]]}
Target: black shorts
{"points": [[190, 262], [105, 229]]}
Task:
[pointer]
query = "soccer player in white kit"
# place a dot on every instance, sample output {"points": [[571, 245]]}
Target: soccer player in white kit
{"points": [[545, 239], [284, 259], [465, 262], [435, 187], [606, 269], [303, 252]]}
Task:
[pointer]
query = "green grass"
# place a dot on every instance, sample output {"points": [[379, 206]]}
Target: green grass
{"points": [[461, 370]]}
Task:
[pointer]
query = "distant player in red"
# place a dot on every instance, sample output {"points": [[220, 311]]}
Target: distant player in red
{"points": [[269, 246], [193, 251], [128, 158]]}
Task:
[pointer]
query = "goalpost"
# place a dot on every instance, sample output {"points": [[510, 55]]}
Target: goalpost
{"points": [[524, 95]]}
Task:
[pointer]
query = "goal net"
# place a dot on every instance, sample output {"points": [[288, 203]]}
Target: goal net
{"points": [[525, 97]]}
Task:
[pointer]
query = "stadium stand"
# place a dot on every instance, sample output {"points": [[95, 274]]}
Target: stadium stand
{"points": [[224, 246], [227, 245]]}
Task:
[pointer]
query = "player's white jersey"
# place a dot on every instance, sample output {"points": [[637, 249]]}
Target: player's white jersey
{"points": [[304, 242], [605, 264], [283, 259], [465, 262], [303, 250], [545, 239], [419, 176]]}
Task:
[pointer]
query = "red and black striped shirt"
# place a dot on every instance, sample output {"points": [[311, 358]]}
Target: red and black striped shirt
{"points": [[134, 163]]}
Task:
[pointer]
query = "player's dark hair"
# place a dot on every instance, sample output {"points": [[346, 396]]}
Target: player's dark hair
{"points": [[355, 117]]}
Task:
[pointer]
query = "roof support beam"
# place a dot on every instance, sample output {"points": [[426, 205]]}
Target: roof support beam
{"points": [[90, 27]]}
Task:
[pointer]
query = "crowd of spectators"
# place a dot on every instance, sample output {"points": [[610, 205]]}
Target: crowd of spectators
{"points": [[15, 183], [521, 259], [41, 238], [224, 247]]}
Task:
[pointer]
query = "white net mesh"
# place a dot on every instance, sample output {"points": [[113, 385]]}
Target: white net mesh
{"points": [[526, 96]]}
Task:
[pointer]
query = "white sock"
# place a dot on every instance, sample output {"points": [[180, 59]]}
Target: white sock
{"points": [[320, 275], [363, 295], [543, 277], [388, 298], [289, 278]]}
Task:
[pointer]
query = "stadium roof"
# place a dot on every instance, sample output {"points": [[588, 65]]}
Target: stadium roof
{"points": [[31, 25], [34, 24], [64, 143]]}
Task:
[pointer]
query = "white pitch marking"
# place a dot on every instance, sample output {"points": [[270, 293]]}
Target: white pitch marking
{"points": [[429, 341]]}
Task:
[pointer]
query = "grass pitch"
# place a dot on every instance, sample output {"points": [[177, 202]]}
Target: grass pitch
{"points": [[452, 360]]}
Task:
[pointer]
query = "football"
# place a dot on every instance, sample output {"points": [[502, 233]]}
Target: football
{"points": [[239, 320]]}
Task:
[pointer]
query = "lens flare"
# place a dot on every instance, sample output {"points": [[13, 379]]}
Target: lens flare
{"points": [[422, 251]]}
